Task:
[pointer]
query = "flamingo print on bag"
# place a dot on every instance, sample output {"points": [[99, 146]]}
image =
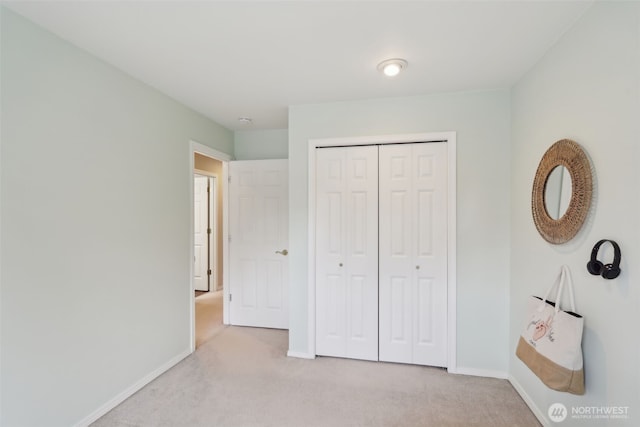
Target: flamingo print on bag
{"points": [[542, 327]]}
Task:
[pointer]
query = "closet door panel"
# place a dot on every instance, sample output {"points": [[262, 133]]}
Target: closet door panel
{"points": [[361, 260], [396, 254], [331, 310], [395, 320], [413, 246], [430, 304], [346, 247]]}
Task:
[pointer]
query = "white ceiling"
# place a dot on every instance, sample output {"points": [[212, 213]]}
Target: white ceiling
{"points": [[234, 59]]}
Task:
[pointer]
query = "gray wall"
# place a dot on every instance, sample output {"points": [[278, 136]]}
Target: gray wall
{"points": [[481, 120], [95, 228], [586, 88], [261, 144]]}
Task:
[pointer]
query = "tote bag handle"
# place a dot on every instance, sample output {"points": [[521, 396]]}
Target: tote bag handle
{"points": [[563, 277]]}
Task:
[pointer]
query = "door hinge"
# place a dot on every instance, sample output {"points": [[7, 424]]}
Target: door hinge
{"points": [[229, 179], [209, 272], [230, 297], [229, 239], [208, 231]]}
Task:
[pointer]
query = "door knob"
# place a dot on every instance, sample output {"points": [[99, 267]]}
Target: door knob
{"points": [[283, 252]]}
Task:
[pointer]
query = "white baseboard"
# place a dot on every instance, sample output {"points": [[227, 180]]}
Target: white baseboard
{"points": [[481, 373], [300, 355], [530, 403], [131, 390]]}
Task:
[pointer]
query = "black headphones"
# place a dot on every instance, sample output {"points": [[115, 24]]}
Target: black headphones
{"points": [[608, 271]]}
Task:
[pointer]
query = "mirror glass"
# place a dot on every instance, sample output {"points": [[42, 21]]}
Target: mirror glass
{"points": [[557, 192]]}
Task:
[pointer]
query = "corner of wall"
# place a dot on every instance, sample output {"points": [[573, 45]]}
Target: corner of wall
{"points": [[528, 400], [131, 390]]}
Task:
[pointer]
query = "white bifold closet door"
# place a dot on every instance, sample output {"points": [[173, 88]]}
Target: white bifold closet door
{"points": [[347, 252], [381, 252], [413, 253]]}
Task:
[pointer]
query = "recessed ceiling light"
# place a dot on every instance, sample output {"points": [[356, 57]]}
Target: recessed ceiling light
{"points": [[392, 67], [245, 120]]}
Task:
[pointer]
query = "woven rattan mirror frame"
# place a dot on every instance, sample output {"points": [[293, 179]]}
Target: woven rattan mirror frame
{"points": [[569, 154]]}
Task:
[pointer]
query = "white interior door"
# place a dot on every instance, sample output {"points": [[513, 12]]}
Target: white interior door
{"points": [[347, 252], [413, 253], [200, 227], [258, 248]]}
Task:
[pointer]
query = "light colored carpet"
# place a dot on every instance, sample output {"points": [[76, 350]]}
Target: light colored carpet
{"points": [[242, 377], [208, 316]]}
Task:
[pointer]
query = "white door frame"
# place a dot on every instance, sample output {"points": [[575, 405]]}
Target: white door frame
{"points": [[195, 147], [450, 139]]}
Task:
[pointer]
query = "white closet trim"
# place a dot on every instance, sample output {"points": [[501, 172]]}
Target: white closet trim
{"points": [[450, 138]]}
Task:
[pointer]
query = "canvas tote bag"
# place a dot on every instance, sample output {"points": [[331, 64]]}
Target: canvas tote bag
{"points": [[551, 343]]}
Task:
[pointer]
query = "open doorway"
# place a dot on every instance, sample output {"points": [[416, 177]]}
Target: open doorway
{"points": [[208, 235], [207, 209], [205, 227]]}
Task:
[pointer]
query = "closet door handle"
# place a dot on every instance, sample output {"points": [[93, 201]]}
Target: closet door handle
{"points": [[283, 252]]}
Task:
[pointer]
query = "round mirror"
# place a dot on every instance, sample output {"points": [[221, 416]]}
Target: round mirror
{"points": [[557, 192], [561, 196]]}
